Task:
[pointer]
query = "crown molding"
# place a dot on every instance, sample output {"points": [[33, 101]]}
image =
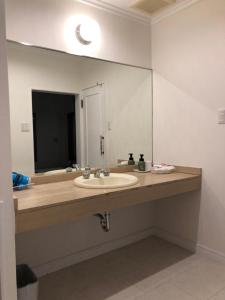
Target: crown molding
{"points": [[171, 10], [138, 17]]}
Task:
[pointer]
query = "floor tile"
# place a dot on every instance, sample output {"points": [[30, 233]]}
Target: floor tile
{"points": [[129, 293], [202, 279], [165, 292], [167, 273], [150, 269], [120, 274], [219, 296]]}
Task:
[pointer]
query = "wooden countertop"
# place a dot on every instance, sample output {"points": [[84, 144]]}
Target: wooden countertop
{"points": [[59, 193], [52, 203]]}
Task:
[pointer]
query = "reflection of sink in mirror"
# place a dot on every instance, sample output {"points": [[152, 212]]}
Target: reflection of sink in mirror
{"points": [[115, 180], [62, 171], [76, 110]]}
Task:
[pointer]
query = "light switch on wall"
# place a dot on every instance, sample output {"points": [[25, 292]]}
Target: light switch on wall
{"points": [[25, 127], [221, 116]]}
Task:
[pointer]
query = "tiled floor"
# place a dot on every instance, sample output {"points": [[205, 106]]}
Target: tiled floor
{"points": [[148, 270]]}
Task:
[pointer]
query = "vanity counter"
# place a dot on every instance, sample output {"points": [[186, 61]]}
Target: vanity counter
{"points": [[58, 202]]}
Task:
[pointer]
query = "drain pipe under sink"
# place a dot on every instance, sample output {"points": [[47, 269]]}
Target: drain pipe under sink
{"points": [[104, 220]]}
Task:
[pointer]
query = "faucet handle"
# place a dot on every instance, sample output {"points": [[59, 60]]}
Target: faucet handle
{"points": [[86, 173], [106, 171]]}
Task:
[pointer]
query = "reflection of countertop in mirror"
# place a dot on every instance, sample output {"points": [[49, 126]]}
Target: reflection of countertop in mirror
{"points": [[57, 202]]}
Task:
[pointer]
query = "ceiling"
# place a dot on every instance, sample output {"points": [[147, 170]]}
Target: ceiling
{"points": [[142, 7]]}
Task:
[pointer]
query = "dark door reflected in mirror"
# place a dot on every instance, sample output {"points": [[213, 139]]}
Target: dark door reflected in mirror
{"points": [[54, 130]]}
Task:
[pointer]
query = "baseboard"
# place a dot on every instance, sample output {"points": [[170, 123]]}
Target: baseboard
{"points": [[174, 239], [91, 252], [213, 254]]}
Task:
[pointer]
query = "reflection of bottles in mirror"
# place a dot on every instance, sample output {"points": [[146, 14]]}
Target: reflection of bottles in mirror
{"points": [[141, 163], [131, 159]]}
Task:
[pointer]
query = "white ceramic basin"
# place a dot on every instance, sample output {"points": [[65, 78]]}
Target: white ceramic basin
{"points": [[115, 180]]}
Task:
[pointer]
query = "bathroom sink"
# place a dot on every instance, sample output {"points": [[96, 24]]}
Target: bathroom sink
{"points": [[115, 180]]}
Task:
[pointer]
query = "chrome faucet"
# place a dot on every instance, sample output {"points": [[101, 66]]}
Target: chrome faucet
{"points": [[105, 172], [97, 173]]}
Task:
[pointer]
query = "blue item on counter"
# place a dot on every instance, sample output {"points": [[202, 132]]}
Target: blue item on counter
{"points": [[20, 180]]}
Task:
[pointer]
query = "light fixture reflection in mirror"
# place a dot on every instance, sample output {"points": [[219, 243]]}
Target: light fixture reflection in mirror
{"points": [[82, 35]]}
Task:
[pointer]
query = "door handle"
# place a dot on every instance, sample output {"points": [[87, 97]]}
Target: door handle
{"points": [[102, 145]]}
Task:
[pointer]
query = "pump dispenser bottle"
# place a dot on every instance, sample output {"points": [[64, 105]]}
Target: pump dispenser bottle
{"points": [[131, 159], [141, 163]]}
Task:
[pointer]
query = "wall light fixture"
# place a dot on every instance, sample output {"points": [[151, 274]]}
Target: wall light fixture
{"points": [[82, 35]]}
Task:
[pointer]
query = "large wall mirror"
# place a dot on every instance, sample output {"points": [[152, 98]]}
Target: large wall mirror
{"points": [[67, 110]]}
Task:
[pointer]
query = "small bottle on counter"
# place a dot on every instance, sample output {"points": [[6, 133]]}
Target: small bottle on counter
{"points": [[131, 159], [141, 163]]}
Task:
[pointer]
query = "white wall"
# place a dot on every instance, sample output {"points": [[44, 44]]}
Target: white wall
{"points": [[188, 59], [128, 103], [7, 219], [43, 22]]}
